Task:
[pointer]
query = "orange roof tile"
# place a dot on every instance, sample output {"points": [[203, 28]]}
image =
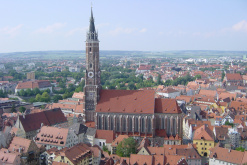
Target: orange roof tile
{"points": [[230, 156], [52, 135], [233, 76], [126, 101], [108, 135], [204, 132], [18, 143], [163, 105], [119, 139]]}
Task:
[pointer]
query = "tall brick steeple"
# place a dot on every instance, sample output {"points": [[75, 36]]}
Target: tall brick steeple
{"points": [[92, 77]]}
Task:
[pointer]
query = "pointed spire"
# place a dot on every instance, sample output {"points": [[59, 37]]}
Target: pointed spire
{"points": [[92, 34], [91, 26]]}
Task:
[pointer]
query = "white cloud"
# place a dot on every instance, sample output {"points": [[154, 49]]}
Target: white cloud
{"points": [[121, 30], [143, 30], [50, 28], [240, 26], [11, 31], [76, 30], [98, 26]]}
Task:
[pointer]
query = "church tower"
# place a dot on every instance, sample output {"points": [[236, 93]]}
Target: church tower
{"points": [[92, 77]]}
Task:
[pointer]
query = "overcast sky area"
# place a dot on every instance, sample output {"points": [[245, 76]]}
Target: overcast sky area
{"points": [[145, 25]]}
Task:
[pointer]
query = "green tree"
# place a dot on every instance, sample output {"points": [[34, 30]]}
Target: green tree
{"points": [[38, 97], [56, 98], [22, 92], [32, 100], [132, 86], [198, 76], [240, 149], [159, 82], [168, 82], [45, 97], [126, 147], [228, 123], [22, 109], [29, 92], [105, 148], [3, 94], [36, 91], [13, 108]]}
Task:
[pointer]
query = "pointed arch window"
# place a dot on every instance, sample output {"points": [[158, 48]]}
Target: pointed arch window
{"points": [[136, 124], [149, 125], [130, 124], [106, 123], [143, 125], [124, 124], [100, 123]]}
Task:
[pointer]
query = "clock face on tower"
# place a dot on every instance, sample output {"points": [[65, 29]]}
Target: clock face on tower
{"points": [[90, 74]]}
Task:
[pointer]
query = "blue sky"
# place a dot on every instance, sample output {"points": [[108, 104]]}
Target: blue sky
{"points": [[152, 25]]}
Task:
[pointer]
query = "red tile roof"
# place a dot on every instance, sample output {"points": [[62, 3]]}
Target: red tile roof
{"points": [[126, 101], [163, 105], [18, 143], [33, 84], [78, 95], [144, 67], [204, 132], [52, 135], [77, 153], [33, 121], [108, 135], [119, 139], [230, 156], [9, 157], [233, 76]]}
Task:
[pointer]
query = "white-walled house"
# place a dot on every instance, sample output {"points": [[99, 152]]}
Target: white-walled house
{"points": [[223, 156], [104, 138], [229, 118], [89, 136], [80, 131], [169, 93]]}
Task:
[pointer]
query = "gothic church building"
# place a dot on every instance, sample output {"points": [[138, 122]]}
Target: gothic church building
{"points": [[131, 112]]}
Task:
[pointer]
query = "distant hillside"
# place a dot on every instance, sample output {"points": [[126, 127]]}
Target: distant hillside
{"points": [[109, 53]]}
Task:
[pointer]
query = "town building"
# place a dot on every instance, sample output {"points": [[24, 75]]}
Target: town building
{"points": [[92, 77], [80, 154], [31, 76], [9, 158], [135, 112], [27, 149], [74, 69], [40, 84], [138, 112], [233, 79], [28, 125], [204, 140], [57, 137], [223, 156]]}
